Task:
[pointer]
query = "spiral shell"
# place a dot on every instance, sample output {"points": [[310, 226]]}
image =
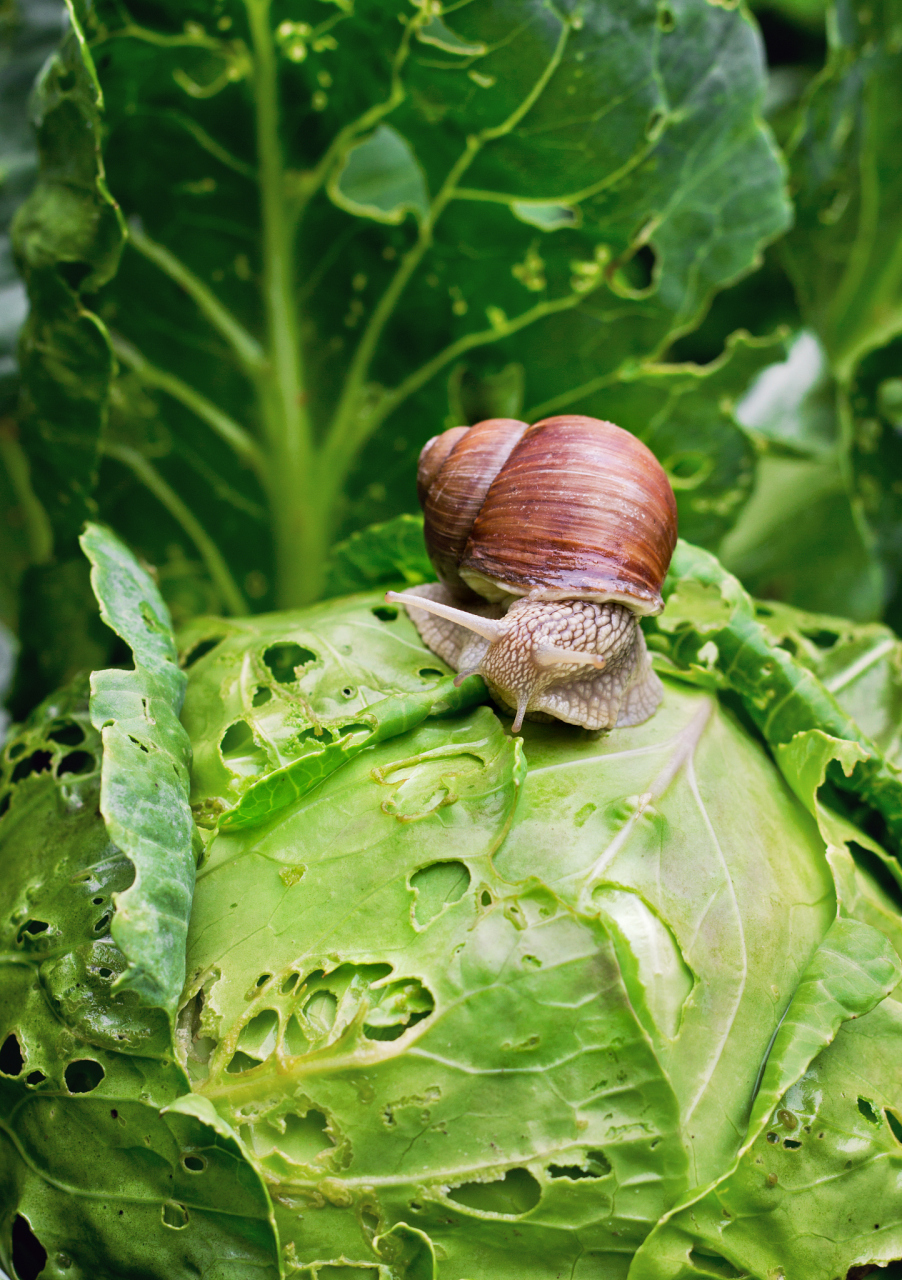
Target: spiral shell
{"points": [[570, 508]]}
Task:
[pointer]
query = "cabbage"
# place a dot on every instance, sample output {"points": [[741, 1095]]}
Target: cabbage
{"points": [[412, 999]]}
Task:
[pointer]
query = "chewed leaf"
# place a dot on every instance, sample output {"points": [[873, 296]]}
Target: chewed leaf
{"points": [[382, 720], [145, 773], [381, 178], [852, 970], [782, 696]]}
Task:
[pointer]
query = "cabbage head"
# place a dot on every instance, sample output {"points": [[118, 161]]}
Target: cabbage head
{"points": [[333, 978]]}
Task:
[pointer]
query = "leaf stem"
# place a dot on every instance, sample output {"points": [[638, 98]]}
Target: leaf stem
{"points": [[216, 566], [299, 532], [245, 346], [225, 427]]}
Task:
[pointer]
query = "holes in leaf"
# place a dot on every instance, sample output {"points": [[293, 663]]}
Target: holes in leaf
{"points": [[823, 639], [262, 695], [430, 673], [283, 659], [397, 1008], [595, 1165], [289, 983], [348, 691], [194, 1164], [29, 1257], [354, 728], [103, 923], [35, 1078], [894, 1123], [75, 762], [31, 929], [258, 1037], [67, 734], [304, 1137], [241, 1062], [15, 750], [240, 752], [38, 762], [714, 1263], [174, 1215], [790, 1144], [869, 1111], [314, 733], [294, 1041], [83, 1075], [514, 1194], [437, 887], [320, 1011], [773, 1138], [237, 739], [11, 1058], [666, 20], [385, 612], [263, 979], [200, 650], [637, 274]]}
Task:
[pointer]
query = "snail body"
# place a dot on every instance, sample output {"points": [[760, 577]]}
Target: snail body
{"points": [[550, 541]]}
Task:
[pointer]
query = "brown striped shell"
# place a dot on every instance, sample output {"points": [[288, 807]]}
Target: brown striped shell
{"points": [[570, 508]]}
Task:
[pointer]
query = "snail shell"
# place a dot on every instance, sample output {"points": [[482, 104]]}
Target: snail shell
{"points": [[571, 512]]}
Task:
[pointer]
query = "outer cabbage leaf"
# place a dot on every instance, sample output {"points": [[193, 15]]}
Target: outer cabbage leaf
{"points": [[68, 236], [816, 1194], [709, 632], [96, 1180], [860, 664], [145, 773]]}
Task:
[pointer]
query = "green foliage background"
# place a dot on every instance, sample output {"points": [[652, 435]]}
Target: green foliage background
{"points": [[269, 253]]}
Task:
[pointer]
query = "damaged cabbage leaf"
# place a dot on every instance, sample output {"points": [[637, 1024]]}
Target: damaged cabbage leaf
{"points": [[278, 702], [99, 1179], [709, 632], [404, 988], [815, 1194], [145, 773], [684, 836]]}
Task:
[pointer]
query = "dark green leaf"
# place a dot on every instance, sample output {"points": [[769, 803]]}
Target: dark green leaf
{"points": [[68, 235], [843, 252], [145, 778], [581, 183]]}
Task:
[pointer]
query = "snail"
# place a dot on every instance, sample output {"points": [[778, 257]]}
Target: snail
{"points": [[550, 542]]}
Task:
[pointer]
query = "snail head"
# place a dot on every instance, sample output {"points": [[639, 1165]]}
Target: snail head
{"points": [[539, 654]]}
